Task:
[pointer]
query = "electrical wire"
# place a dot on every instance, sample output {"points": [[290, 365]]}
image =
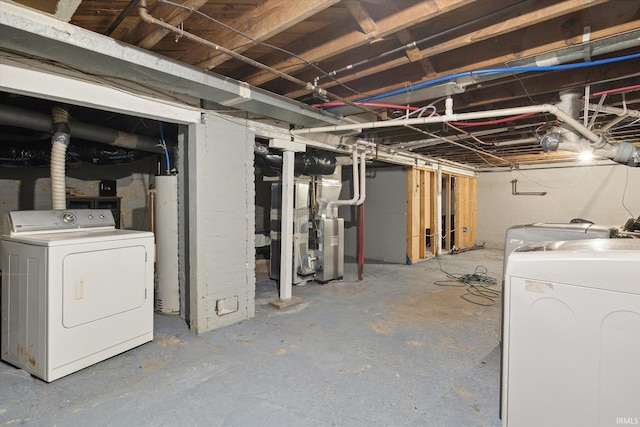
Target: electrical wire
{"points": [[625, 125], [426, 39], [259, 42], [624, 192], [477, 285]]}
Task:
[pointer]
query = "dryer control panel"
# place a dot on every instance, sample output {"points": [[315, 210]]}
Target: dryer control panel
{"points": [[48, 221]]}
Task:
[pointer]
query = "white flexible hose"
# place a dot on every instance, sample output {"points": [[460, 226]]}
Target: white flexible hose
{"points": [[58, 186], [59, 143]]}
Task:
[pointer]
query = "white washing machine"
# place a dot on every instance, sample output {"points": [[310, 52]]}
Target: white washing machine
{"points": [[75, 290], [571, 339]]}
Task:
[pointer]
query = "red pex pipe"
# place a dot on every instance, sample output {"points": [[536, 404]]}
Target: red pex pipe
{"points": [[620, 89]]}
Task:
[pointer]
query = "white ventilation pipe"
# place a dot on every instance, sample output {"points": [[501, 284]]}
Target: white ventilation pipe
{"points": [[544, 108], [615, 110], [59, 143], [362, 186], [356, 185]]}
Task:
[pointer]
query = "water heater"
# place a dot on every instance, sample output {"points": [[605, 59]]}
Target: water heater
{"points": [[167, 296]]}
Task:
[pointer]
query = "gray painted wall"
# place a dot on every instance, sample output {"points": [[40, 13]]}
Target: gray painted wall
{"points": [[385, 223], [606, 195], [220, 194]]}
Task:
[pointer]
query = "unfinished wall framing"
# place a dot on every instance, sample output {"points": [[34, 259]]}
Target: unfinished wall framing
{"points": [[458, 211], [421, 192]]}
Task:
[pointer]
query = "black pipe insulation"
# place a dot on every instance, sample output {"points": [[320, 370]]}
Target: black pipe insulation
{"points": [[38, 154], [18, 117], [313, 162]]}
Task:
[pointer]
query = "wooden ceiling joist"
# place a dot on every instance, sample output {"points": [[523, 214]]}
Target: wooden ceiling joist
{"points": [[504, 27], [268, 19], [362, 17], [315, 52], [147, 36]]}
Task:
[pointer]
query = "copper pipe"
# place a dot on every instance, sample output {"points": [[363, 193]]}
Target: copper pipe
{"points": [[360, 242]]}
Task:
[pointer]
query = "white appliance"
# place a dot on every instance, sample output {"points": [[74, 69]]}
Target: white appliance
{"points": [[75, 290], [526, 234], [572, 334]]}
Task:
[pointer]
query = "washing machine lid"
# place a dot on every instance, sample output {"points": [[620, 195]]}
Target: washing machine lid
{"points": [[50, 221], [539, 231], [610, 264], [65, 227], [77, 237]]}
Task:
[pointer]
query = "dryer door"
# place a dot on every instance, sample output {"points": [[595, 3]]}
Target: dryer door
{"points": [[102, 283]]}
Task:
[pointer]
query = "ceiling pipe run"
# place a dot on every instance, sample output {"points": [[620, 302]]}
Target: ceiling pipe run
{"points": [[544, 108], [624, 153], [615, 110], [18, 117], [146, 17]]}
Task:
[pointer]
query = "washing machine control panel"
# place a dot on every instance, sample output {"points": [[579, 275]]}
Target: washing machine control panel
{"points": [[44, 221]]}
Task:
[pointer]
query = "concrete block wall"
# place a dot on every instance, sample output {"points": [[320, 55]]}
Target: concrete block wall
{"points": [[226, 221], [606, 195]]}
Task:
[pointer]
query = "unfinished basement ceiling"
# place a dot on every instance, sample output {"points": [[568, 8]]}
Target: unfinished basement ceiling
{"points": [[407, 52]]}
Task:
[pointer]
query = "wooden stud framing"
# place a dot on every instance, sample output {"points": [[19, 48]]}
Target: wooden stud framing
{"points": [[419, 211], [459, 202], [448, 211]]}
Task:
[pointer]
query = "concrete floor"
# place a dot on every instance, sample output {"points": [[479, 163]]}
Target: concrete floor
{"points": [[393, 350]]}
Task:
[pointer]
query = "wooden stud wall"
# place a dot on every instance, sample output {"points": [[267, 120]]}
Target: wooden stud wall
{"points": [[465, 212], [459, 201], [420, 207]]}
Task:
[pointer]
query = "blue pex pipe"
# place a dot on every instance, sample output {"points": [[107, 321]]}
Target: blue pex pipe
{"points": [[500, 70], [164, 147]]}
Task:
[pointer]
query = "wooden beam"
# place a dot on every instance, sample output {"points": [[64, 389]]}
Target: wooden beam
{"points": [[424, 211], [362, 17], [412, 15], [432, 214], [266, 20], [472, 211], [66, 8], [147, 36], [413, 53], [464, 40], [518, 21]]}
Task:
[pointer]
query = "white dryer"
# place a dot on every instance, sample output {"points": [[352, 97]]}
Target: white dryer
{"points": [[75, 290], [571, 334]]}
